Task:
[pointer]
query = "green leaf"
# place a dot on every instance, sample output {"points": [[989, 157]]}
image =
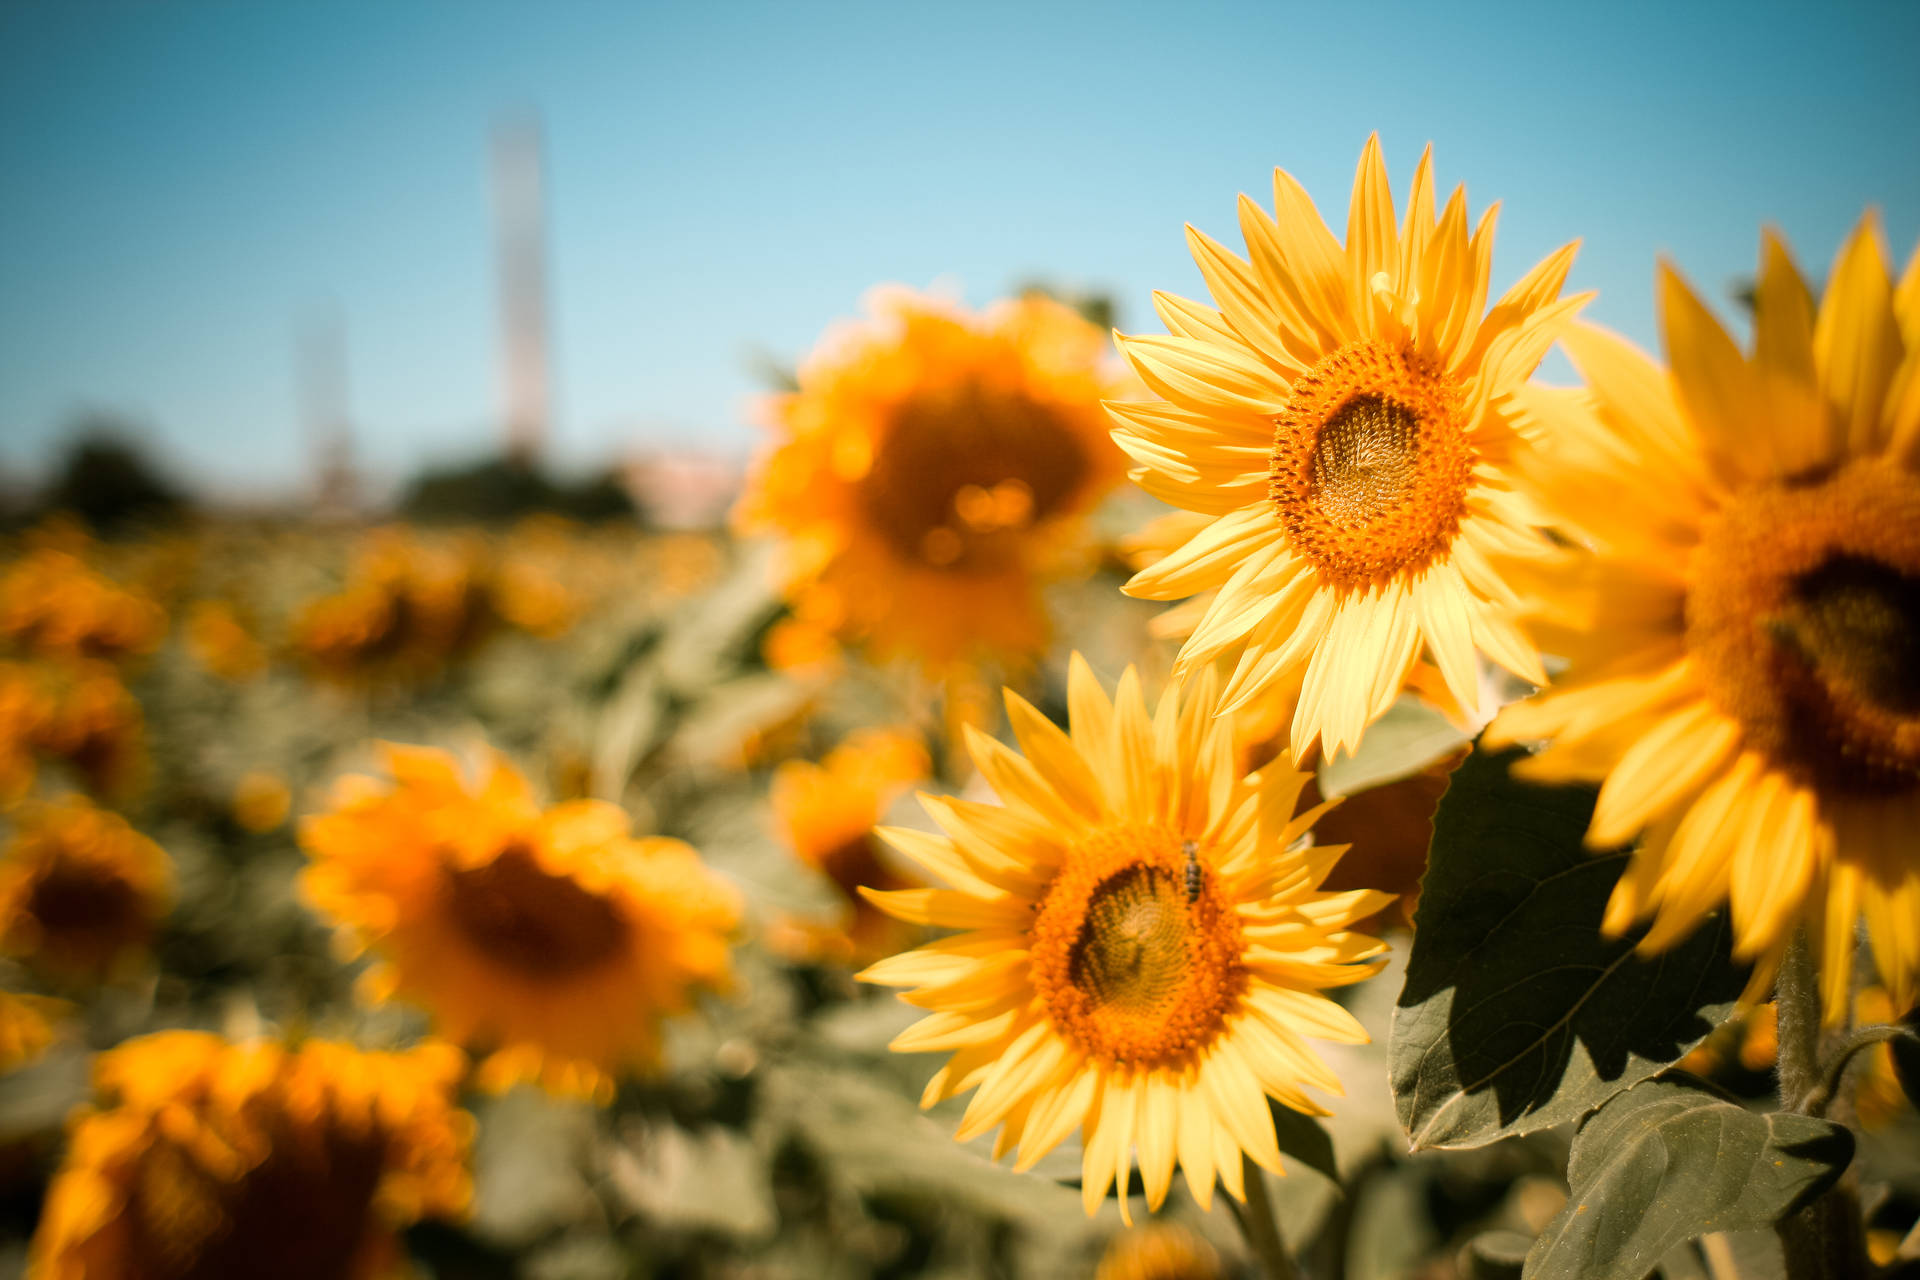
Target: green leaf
{"points": [[1408, 738], [1517, 1014], [1303, 1139], [1672, 1159]]}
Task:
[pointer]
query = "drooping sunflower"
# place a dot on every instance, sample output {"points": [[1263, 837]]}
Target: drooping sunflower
{"points": [[208, 1158], [1742, 620], [1343, 419], [826, 812], [1144, 944], [551, 937], [932, 470], [81, 892]]}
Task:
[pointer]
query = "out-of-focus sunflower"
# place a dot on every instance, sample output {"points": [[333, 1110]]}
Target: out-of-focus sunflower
{"points": [[261, 800], [28, 1024], [1144, 947], [1742, 619], [932, 470], [825, 812], [408, 608], [222, 643], [1342, 419], [95, 726], [25, 708], [1159, 1251], [54, 605], [81, 892], [207, 1158], [552, 938]]}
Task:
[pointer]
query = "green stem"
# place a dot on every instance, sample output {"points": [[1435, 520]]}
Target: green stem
{"points": [[1259, 1225], [1823, 1241]]}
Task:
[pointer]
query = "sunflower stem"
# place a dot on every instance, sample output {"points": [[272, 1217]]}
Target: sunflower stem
{"points": [[1261, 1228], [1823, 1241]]}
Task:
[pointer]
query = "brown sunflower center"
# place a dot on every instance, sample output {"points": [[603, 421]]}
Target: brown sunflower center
{"points": [[525, 918], [964, 471], [1804, 619], [1135, 950], [1371, 464], [304, 1212], [75, 900]]}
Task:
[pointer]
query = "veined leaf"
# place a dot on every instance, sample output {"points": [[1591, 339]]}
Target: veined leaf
{"points": [[1517, 1014], [1671, 1159]]}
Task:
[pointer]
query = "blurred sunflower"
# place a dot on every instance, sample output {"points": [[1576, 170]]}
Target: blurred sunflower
{"points": [[81, 892], [28, 1024], [1342, 422], [215, 1159], [25, 708], [1159, 1251], [94, 725], [409, 607], [261, 800], [825, 812], [221, 641], [1144, 947], [1743, 621], [932, 470], [54, 605], [553, 938]]}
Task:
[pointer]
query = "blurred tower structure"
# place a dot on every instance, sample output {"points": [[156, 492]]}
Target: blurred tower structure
{"points": [[520, 237], [321, 355]]}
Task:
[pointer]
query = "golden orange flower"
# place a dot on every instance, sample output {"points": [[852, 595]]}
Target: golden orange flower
{"points": [[553, 938], [1740, 608], [81, 892], [261, 800], [94, 725], [1144, 947], [28, 1024], [932, 471], [53, 604], [207, 1158], [1159, 1251], [825, 812], [408, 608], [1342, 423], [222, 643]]}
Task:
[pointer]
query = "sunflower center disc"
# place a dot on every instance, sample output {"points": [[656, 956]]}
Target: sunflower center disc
{"points": [[302, 1212], [1371, 464], [78, 902], [526, 919], [964, 471], [1134, 968], [1804, 618]]}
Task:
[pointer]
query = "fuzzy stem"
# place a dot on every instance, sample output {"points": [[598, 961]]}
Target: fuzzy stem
{"points": [[1259, 1225], [1823, 1241]]}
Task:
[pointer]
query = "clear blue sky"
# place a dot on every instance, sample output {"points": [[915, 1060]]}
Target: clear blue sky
{"points": [[180, 182]]}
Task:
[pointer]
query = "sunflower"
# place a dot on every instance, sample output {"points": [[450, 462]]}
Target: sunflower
{"points": [[1742, 622], [81, 892], [260, 801], [215, 1159], [1343, 421], [28, 1024], [931, 471], [552, 937], [1159, 1251], [1145, 943], [53, 604], [222, 642], [825, 812], [409, 607]]}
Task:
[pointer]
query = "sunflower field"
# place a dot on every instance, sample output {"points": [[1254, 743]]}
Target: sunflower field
{"points": [[1286, 796]]}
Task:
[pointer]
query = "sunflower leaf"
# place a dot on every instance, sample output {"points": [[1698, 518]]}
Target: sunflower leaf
{"points": [[1517, 1014], [1302, 1138], [1671, 1159]]}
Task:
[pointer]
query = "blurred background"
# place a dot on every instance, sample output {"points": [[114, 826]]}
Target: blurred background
{"points": [[387, 370], [271, 241]]}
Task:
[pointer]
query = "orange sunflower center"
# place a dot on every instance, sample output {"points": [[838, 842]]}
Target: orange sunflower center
{"points": [[528, 919], [1371, 464], [1135, 951], [964, 471], [1804, 619], [303, 1212]]}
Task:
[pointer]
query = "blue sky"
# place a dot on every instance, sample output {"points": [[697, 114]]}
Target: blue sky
{"points": [[181, 182]]}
